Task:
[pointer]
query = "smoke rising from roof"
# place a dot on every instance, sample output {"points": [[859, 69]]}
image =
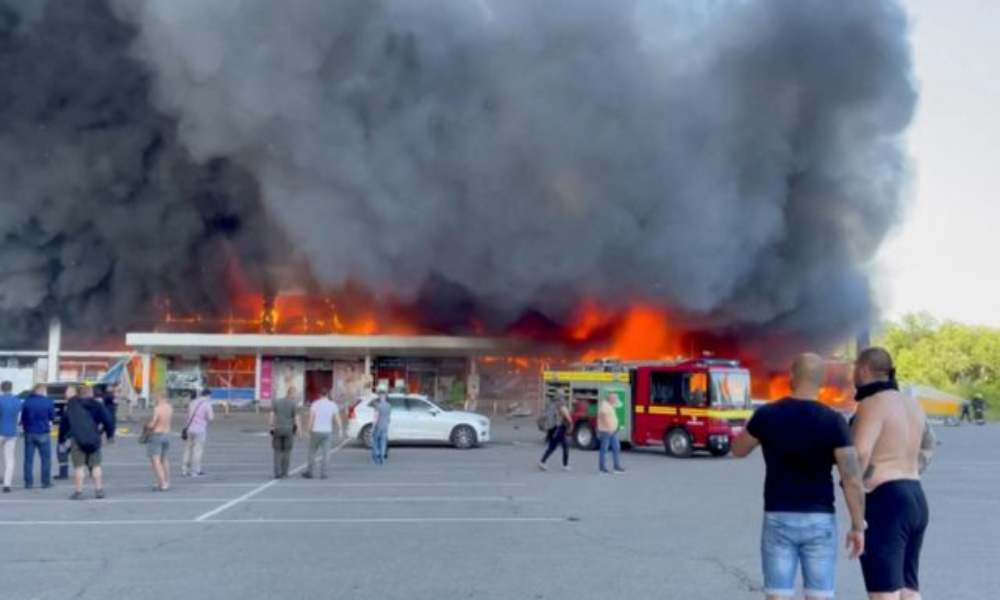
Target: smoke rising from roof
{"points": [[102, 211], [737, 163]]}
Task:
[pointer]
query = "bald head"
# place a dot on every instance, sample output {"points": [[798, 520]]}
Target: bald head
{"points": [[808, 373]]}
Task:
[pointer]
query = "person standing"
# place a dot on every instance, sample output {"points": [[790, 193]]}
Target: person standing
{"points": [[895, 444], [80, 429], [802, 440], [37, 416], [195, 434], [607, 432], [62, 450], [285, 425], [159, 442], [322, 414], [109, 396], [558, 425], [10, 414], [380, 428]]}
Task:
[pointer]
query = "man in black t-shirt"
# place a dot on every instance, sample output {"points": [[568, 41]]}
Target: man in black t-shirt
{"points": [[802, 440]]}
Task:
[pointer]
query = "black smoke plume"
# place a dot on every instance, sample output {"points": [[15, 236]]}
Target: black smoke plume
{"points": [[737, 163]]}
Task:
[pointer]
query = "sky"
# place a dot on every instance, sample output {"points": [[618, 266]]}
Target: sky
{"points": [[944, 258]]}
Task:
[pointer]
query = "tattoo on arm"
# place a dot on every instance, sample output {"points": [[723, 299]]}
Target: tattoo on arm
{"points": [[851, 482], [927, 445]]}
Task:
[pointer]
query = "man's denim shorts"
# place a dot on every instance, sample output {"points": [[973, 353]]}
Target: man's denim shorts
{"points": [[792, 539]]}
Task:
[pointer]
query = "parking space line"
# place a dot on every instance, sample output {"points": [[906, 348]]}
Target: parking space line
{"points": [[332, 521], [261, 488], [360, 500]]}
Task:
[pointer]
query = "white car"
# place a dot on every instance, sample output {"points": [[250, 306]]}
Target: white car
{"points": [[416, 419]]}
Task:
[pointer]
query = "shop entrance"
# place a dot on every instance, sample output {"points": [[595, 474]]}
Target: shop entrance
{"points": [[318, 382]]}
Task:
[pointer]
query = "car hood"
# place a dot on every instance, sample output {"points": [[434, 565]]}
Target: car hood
{"points": [[461, 415]]}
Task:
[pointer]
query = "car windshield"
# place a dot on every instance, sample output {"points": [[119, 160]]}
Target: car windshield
{"points": [[731, 389]]}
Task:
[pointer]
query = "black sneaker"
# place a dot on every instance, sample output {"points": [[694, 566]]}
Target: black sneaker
{"points": [[6, 489], [46, 486], [76, 496], [99, 494], [307, 476]]}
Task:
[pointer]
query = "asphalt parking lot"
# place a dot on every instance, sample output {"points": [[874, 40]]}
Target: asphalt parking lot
{"points": [[442, 523]]}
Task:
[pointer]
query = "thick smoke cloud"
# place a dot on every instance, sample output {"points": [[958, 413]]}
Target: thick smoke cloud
{"points": [[737, 163], [102, 213]]}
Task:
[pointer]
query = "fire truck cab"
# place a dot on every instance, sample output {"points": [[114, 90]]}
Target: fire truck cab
{"points": [[689, 405]]}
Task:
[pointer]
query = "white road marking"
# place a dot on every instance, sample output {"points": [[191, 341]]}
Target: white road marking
{"points": [[387, 520], [260, 488], [360, 500], [177, 485]]}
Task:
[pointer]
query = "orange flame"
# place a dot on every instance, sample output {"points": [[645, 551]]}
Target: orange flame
{"points": [[640, 333]]}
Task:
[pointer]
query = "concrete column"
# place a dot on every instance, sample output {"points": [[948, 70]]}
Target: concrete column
{"points": [[256, 381], [147, 360], [55, 341]]}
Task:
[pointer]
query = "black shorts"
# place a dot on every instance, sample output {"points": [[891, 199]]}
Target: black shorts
{"points": [[897, 517]]}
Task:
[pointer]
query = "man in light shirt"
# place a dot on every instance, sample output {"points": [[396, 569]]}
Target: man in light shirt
{"points": [[322, 415], [200, 413], [607, 432]]}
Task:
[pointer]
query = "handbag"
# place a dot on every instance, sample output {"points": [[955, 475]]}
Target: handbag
{"points": [[147, 432], [184, 432]]}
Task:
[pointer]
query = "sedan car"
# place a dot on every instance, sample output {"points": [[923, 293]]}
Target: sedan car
{"points": [[416, 419]]}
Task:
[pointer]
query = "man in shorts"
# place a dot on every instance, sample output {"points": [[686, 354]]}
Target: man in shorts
{"points": [[80, 429], [895, 444], [159, 442], [802, 440]]}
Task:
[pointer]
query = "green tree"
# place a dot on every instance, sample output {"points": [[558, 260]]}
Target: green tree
{"points": [[958, 358]]}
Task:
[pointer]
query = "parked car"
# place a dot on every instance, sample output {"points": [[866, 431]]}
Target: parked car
{"points": [[416, 419]]}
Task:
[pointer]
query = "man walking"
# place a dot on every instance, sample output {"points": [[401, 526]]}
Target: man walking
{"points": [[80, 429], [10, 414], [159, 442], [322, 414], [200, 413], [380, 429], [285, 425], [607, 432], [802, 440], [37, 417], [558, 423], [895, 444]]}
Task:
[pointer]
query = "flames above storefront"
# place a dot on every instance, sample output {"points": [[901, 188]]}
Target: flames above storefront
{"points": [[592, 332]]}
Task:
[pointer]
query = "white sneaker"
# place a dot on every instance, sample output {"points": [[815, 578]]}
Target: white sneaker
{"points": [[542, 467], [567, 468]]}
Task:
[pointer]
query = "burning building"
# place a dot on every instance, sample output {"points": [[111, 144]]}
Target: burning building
{"points": [[631, 178]]}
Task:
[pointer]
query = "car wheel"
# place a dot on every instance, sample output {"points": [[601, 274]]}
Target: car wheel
{"points": [[583, 436], [366, 436], [463, 437], [678, 443]]}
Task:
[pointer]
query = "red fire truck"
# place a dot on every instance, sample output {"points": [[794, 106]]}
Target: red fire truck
{"points": [[688, 405]]}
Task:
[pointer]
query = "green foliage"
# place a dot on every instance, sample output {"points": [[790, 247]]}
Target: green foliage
{"points": [[957, 358]]}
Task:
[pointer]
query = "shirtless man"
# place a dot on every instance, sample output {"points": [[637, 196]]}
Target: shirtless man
{"points": [[894, 443], [159, 442]]}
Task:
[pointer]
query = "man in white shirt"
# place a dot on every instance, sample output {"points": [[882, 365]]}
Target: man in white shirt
{"points": [[323, 413]]}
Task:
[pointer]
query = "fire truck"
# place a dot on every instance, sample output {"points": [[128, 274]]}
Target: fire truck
{"points": [[684, 406]]}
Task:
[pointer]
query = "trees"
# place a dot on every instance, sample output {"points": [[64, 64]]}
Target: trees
{"points": [[958, 358]]}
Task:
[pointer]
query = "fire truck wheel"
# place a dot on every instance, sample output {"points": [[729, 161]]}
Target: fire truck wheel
{"points": [[678, 443], [463, 437], [583, 436], [719, 452], [366, 436]]}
